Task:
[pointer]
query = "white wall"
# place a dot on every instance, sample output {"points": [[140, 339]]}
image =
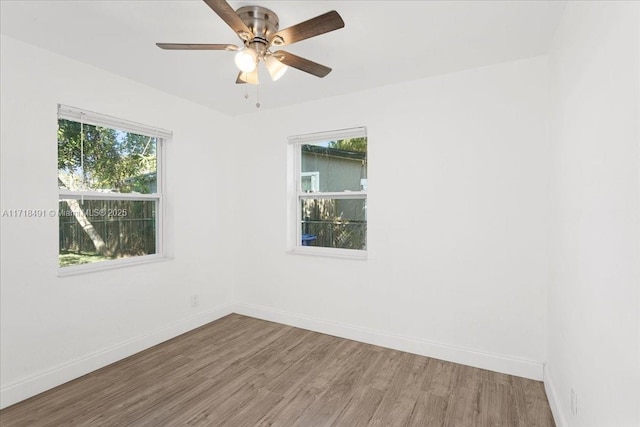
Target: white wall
{"points": [[457, 214], [54, 329], [593, 309]]}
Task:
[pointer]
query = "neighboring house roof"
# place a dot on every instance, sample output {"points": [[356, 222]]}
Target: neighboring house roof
{"points": [[334, 152]]}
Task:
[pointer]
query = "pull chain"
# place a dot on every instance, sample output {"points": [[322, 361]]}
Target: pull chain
{"points": [[257, 96]]}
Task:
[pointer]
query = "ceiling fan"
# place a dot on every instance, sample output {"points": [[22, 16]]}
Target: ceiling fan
{"points": [[258, 28]]}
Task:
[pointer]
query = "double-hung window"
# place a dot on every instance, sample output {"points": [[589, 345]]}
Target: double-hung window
{"points": [[110, 178], [329, 205]]}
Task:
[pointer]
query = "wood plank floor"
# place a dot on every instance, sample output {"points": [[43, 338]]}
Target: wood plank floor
{"points": [[240, 371]]}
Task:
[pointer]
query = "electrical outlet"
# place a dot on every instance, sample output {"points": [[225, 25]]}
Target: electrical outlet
{"points": [[195, 301], [574, 402]]}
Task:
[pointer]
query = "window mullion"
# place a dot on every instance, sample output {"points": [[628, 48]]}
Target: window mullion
{"points": [[333, 195], [98, 195]]}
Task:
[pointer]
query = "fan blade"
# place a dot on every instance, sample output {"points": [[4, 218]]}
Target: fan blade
{"points": [[228, 15], [196, 46], [302, 64], [251, 77], [325, 23]]}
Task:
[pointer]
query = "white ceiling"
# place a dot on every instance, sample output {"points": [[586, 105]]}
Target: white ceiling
{"points": [[383, 42]]}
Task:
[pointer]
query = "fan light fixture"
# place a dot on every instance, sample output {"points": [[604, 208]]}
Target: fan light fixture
{"points": [[276, 68], [251, 78], [259, 30], [246, 60]]}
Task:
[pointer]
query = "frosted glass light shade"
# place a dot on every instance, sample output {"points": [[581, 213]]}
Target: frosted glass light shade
{"points": [[246, 60], [276, 68], [251, 78]]}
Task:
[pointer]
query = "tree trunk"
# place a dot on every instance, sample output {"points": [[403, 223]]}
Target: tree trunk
{"points": [[86, 225]]}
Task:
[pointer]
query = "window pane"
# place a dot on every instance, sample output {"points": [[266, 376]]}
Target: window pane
{"points": [[334, 223], [100, 230], [105, 159], [337, 165]]}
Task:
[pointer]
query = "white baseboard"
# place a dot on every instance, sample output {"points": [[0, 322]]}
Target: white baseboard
{"points": [[494, 362], [552, 397], [46, 380]]}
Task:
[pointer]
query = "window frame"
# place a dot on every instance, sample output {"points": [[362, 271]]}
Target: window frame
{"points": [[162, 136], [297, 195]]}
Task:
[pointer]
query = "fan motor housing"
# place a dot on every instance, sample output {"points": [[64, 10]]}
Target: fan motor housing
{"points": [[262, 22]]}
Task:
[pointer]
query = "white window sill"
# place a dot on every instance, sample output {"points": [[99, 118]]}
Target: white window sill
{"points": [[75, 270], [329, 252]]}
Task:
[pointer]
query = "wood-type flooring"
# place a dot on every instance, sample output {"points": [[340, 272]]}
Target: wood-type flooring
{"points": [[241, 371]]}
